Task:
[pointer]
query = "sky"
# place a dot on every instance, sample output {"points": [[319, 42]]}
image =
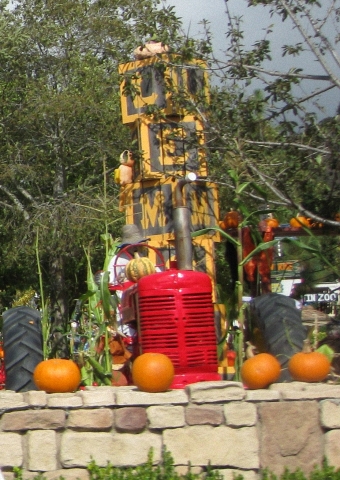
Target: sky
{"points": [[193, 11], [255, 21]]}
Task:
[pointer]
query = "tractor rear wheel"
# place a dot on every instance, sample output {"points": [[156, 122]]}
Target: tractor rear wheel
{"points": [[23, 347], [279, 321]]}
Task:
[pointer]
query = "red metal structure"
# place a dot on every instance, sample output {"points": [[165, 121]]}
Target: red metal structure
{"points": [[175, 316], [172, 311]]}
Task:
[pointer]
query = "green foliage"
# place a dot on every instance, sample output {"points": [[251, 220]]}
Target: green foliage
{"points": [[165, 470], [60, 121]]}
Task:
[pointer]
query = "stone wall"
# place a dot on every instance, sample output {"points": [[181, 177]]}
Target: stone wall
{"points": [[236, 430]]}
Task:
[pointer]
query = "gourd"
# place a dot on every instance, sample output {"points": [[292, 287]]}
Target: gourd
{"points": [[125, 169], [57, 375], [309, 366], [150, 49], [260, 371], [152, 372], [231, 219], [138, 267], [299, 221], [272, 222]]}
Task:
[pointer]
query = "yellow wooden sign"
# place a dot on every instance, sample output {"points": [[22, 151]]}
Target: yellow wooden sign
{"points": [[149, 205], [150, 82], [173, 146]]}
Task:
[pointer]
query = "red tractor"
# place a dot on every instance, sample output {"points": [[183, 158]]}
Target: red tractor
{"points": [[172, 310]]}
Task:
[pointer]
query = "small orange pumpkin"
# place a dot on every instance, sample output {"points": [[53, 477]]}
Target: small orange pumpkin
{"points": [[337, 217], [309, 366], [260, 371], [299, 221], [152, 372], [57, 375], [231, 219], [272, 222]]}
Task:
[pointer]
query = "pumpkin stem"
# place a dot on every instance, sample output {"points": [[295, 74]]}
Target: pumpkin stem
{"points": [[306, 346], [136, 255]]}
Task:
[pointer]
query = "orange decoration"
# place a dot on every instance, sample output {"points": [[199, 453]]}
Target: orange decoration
{"points": [[272, 222], [222, 225], [260, 371], [264, 262], [57, 375], [309, 366], [247, 247], [231, 357], [152, 372], [231, 219], [299, 221]]}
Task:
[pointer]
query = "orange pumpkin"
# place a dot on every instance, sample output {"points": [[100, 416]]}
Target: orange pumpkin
{"points": [[231, 219], [299, 221], [57, 375], [337, 217], [309, 366], [272, 222], [152, 372], [260, 371]]}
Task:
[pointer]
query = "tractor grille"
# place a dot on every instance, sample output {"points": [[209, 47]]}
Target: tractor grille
{"points": [[180, 325]]}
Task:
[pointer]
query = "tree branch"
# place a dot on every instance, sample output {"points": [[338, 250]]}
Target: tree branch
{"points": [[301, 100], [272, 73], [288, 201], [318, 32], [312, 46], [16, 201], [300, 146]]}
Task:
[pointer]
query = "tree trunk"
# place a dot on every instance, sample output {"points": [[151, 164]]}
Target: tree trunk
{"points": [[59, 306]]}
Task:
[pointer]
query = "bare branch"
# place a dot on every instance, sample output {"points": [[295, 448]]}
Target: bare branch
{"points": [[298, 102], [288, 201], [26, 194], [300, 146], [312, 46], [318, 32], [272, 73], [16, 201]]}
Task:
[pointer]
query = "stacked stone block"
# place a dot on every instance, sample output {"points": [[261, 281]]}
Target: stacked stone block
{"points": [[235, 430]]}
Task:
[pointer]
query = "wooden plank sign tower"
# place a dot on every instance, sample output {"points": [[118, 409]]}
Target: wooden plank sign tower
{"points": [[167, 144]]}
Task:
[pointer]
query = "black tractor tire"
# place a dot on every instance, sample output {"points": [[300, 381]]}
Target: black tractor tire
{"points": [[23, 347], [279, 321]]}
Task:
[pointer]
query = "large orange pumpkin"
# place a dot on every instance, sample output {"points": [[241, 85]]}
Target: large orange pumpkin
{"points": [[57, 375], [260, 371], [309, 366], [152, 372]]}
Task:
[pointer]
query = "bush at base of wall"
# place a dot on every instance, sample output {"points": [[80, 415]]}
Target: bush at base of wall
{"points": [[166, 470]]}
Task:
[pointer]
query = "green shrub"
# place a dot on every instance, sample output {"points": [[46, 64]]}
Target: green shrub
{"points": [[166, 470]]}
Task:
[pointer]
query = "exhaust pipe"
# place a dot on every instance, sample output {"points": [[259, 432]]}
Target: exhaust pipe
{"points": [[182, 214]]}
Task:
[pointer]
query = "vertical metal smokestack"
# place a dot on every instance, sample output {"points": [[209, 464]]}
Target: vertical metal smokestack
{"points": [[182, 214]]}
